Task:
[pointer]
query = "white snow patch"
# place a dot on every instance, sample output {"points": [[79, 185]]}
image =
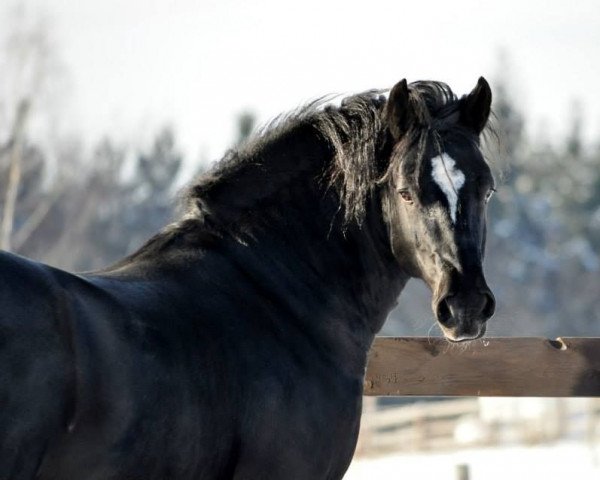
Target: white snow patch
{"points": [[569, 459]]}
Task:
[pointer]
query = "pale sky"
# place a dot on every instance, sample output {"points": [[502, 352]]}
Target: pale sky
{"points": [[135, 65]]}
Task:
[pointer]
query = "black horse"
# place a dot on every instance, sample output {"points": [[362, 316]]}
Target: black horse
{"points": [[233, 344]]}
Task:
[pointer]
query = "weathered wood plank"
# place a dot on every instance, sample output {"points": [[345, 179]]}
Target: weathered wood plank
{"points": [[511, 367]]}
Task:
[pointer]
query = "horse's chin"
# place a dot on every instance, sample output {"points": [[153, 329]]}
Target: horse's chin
{"points": [[457, 334]]}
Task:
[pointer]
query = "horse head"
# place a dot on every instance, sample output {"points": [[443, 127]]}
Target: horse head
{"points": [[435, 203]]}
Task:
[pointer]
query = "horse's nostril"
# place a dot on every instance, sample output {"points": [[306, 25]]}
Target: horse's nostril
{"points": [[489, 307], [444, 313]]}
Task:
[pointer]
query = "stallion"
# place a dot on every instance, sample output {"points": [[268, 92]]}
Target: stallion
{"points": [[233, 344]]}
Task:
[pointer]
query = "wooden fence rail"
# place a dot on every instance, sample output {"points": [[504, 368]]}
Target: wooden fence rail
{"points": [[511, 366]]}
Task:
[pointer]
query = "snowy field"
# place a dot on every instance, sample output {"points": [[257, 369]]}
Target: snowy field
{"points": [[565, 460]]}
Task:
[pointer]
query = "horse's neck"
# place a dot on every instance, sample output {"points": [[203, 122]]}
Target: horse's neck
{"points": [[337, 286], [339, 282]]}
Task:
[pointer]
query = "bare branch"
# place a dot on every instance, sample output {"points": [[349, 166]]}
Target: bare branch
{"points": [[35, 219], [14, 177]]}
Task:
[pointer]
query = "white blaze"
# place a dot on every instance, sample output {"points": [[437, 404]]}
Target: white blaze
{"points": [[449, 178]]}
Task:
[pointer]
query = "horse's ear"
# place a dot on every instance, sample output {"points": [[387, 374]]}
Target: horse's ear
{"points": [[397, 110], [475, 107]]}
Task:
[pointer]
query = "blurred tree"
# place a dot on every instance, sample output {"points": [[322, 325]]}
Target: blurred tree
{"points": [[246, 122], [104, 201], [574, 142], [45, 206], [159, 168], [152, 187], [13, 151], [29, 68]]}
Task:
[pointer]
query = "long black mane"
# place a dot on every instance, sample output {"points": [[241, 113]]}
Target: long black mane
{"points": [[354, 130]]}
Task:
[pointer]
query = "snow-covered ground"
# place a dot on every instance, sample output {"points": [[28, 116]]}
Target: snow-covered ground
{"points": [[565, 460]]}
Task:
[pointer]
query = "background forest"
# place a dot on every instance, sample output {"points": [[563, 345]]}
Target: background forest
{"points": [[80, 208]]}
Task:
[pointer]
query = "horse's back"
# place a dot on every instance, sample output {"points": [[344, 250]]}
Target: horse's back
{"points": [[91, 364], [36, 370], [147, 403]]}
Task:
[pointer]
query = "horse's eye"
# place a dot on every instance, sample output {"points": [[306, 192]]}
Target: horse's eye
{"points": [[406, 196], [489, 194]]}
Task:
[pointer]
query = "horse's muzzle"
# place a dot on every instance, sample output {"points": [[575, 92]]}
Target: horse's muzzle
{"points": [[463, 315]]}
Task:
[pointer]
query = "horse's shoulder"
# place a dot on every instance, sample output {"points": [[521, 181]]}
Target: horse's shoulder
{"points": [[12, 264], [34, 295], [21, 277]]}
